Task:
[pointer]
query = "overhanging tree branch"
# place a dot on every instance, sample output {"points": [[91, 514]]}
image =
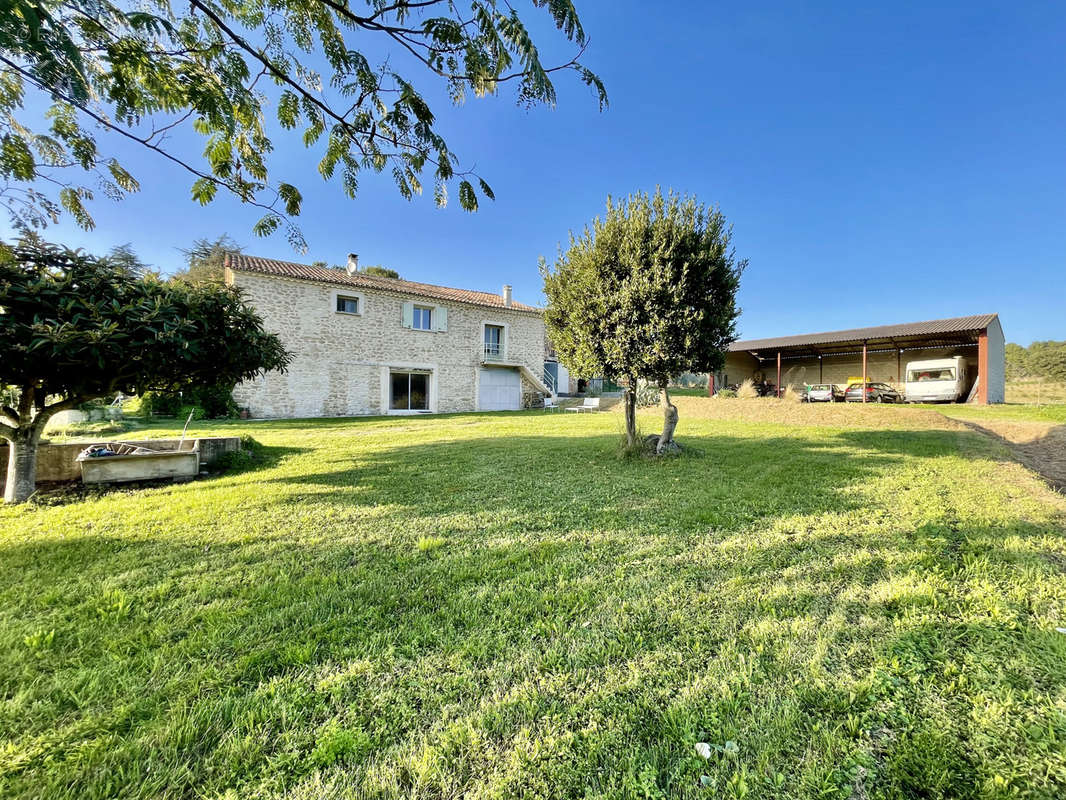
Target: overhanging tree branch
{"points": [[117, 67], [134, 137]]}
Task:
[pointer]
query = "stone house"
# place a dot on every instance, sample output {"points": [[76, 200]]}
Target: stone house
{"points": [[364, 344]]}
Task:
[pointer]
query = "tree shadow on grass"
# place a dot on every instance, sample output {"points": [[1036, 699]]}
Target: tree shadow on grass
{"points": [[1045, 454], [569, 624], [578, 483]]}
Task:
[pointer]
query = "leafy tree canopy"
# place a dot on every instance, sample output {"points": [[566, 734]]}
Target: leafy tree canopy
{"points": [[74, 328], [205, 260], [1045, 360], [125, 257], [381, 272], [370, 269], [221, 67], [646, 292]]}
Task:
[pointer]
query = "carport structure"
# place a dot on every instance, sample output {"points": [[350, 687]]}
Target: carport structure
{"points": [[879, 354]]}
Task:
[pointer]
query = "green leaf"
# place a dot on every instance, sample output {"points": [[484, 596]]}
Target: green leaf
{"points": [[267, 225], [203, 191], [122, 177], [290, 195], [467, 197], [71, 200]]}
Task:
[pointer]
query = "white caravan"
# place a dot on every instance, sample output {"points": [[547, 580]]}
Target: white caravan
{"points": [[938, 380]]}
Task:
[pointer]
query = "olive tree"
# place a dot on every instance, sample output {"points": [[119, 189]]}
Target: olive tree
{"points": [[74, 328], [646, 292]]}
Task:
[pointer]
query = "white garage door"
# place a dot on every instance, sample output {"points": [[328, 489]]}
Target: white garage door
{"points": [[501, 390]]}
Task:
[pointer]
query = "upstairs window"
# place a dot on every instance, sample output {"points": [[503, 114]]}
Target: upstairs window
{"points": [[493, 341], [347, 305], [422, 319]]}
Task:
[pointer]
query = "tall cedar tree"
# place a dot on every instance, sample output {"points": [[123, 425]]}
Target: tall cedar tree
{"points": [[74, 328], [205, 260], [237, 75], [648, 291]]}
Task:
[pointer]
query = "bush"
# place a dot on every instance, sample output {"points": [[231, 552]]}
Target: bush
{"points": [[216, 402], [206, 402], [747, 390], [161, 403], [726, 393], [792, 395], [249, 454]]}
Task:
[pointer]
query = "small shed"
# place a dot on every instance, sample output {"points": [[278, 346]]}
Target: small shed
{"points": [[880, 354]]}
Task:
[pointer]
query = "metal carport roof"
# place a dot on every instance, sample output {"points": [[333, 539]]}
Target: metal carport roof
{"points": [[947, 332]]}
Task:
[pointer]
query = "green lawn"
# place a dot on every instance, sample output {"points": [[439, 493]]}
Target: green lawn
{"points": [[496, 606], [1013, 412]]}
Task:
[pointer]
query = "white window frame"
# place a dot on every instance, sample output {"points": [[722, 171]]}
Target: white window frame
{"points": [[358, 297], [431, 371], [429, 317], [505, 338]]}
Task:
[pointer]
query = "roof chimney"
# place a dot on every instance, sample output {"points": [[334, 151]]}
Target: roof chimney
{"points": [[507, 295], [353, 264]]}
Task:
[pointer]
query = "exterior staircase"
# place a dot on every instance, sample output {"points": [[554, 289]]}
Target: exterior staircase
{"points": [[550, 383]]}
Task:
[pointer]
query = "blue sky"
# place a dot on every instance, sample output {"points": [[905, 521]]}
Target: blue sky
{"points": [[880, 162]]}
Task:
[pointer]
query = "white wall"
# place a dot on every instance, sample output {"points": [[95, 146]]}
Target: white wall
{"points": [[997, 364]]}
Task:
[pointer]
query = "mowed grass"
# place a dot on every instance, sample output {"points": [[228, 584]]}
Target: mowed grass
{"points": [[1055, 413], [497, 606]]}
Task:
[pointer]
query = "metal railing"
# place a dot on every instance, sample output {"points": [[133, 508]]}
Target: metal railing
{"points": [[493, 351], [550, 382]]}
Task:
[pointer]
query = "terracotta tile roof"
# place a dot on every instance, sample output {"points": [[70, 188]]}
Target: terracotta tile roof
{"points": [[288, 269], [955, 327]]}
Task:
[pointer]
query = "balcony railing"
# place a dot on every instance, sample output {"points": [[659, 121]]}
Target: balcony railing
{"points": [[493, 352]]}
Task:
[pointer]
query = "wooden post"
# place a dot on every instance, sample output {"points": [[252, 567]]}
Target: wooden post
{"points": [[710, 384], [864, 375], [899, 374], [819, 369], [778, 373]]}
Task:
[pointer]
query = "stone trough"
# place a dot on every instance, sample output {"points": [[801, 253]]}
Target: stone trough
{"points": [[117, 462], [57, 462]]}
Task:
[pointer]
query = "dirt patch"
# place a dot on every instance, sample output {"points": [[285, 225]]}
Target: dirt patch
{"points": [[824, 415], [1041, 446]]}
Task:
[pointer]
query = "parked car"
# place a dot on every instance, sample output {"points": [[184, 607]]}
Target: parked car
{"points": [[825, 393], [875, 393]]}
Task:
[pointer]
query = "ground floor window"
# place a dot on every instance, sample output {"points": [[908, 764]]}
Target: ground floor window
{"points": [[410, 391]]}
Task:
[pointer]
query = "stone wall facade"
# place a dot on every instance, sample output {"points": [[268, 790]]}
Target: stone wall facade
{"points": [[342, 362]]}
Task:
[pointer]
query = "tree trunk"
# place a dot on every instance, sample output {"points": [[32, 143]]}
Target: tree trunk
{"points": [[22, 428], [630, 400], [666, 440], [21, 467]]}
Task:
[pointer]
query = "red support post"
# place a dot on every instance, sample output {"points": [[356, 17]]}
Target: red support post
{"points": [[710, 384], [864, 375], [778, 373]]}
